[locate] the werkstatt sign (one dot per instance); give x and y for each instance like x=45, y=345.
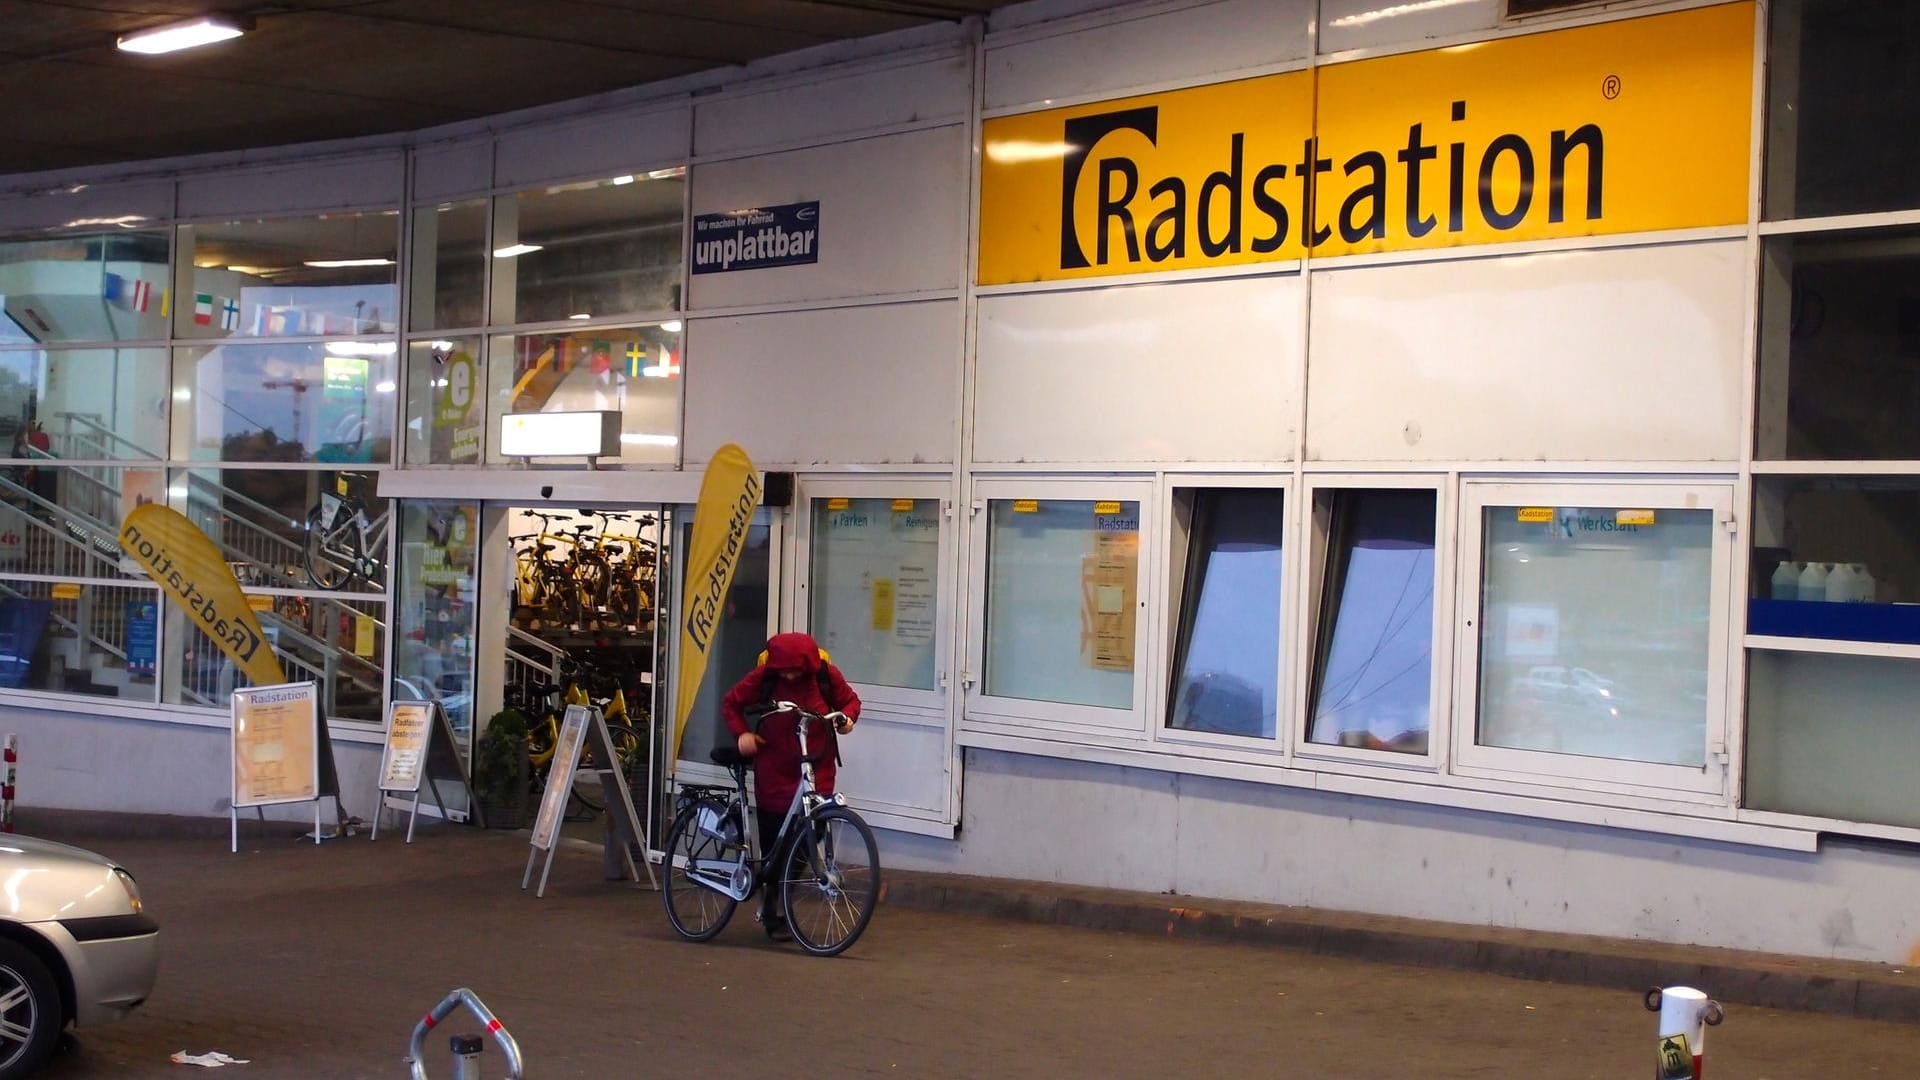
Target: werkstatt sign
x=190, y=572
x=1627, y=126
x=755, y=239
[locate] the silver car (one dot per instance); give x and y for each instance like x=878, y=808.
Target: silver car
x=76, y=946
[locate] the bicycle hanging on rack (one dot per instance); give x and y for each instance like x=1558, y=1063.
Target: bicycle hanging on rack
x=826, y=862
x=340, y=549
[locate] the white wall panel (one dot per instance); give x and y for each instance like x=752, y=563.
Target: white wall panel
x=892, y=217
x=453, y=169
x=1628, y=354
x=606, y=144
x=868, y=385
x=938, y=90
x=375, y=180
x=1371, y=24
x=1196, y=371
x=1118, y=53
x=898, y=767
x=151, y=202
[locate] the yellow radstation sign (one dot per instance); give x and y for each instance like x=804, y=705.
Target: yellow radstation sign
x=1629, y=126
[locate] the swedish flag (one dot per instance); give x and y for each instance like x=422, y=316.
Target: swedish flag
x=636, y=359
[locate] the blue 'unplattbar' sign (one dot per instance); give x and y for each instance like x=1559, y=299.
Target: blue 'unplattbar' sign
x=753, y=239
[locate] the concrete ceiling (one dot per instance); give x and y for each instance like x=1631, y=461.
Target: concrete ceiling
x=325, y=69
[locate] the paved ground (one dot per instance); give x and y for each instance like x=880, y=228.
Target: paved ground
x=315, y=962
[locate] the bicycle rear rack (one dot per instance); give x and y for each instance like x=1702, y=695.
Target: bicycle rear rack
x=452, y=1001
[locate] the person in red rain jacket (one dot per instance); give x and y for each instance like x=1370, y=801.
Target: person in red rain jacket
x=794, y=671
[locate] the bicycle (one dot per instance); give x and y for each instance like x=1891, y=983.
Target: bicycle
x=340, y=548
x=710, y=864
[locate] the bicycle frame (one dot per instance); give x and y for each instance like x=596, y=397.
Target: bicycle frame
x=725, y=876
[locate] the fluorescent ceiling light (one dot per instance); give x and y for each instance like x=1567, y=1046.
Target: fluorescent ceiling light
x=1392, y=11
x=622, y=181
x=515, y=251
x=257, y=271
x=335, y=264
x=665, y=174
x=672, y=326
x=182, y=35
x=581, y=315
x=384, y=387
x=125, y=221
x=1017, y=151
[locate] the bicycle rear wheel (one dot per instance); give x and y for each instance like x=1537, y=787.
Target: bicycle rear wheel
x=697, y=912
x=324, y=569
x=830, y=881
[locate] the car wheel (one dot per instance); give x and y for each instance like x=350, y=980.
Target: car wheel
x=30, y=1017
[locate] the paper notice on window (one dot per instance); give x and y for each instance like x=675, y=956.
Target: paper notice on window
x=1108, y=580
x=913, y=605
x=883, y=605
x=275, y=745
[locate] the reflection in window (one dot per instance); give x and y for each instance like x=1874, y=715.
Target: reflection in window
x=257, y=518
x=590, y=250
x=1833, y=736
x=449, y=274
x=1373, y=653
x=1226, y=657
x=737, y=644
x=433, y=652
x=330, y=402
x=1840, y=343
x=84, y=287
x=64, y=520
x=69, y=638
x=1062, y=599
x=83, y=404
x=634, y=372
x=1844, y=89
x=875, y=564
x=291, y=277
x=446, y=402
x=1594, y=630
x=1836, y=557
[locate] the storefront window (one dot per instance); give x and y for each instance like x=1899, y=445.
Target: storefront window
x=1836, y=557
x=593, y=250
x=435, y=595
x=85, y=404
x=327, y=276
x=258, y=518
x=1594, y=631
x=1833, y=736
x=1843, y=92
x=330, y=402
x=79, y=638
x=1062, y=596
x=446, y=402
x=635, y=372
x=1373, y=652
x=449, y=266
x=1226, y=652
x=873, y=589
x=741, y=637
x=84, y=287
x=64, y=520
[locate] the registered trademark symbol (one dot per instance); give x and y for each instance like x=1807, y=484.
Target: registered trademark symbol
x=1610, y=87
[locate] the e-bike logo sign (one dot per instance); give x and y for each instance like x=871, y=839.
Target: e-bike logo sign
x=1628, y=126
x=755, y=239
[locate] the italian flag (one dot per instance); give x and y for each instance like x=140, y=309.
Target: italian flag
x=203, y=309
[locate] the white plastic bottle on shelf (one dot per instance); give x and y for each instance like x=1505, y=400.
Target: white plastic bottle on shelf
x=1813, y=582
x=1786, y=582
x=1864, y=587
x=1841, y=584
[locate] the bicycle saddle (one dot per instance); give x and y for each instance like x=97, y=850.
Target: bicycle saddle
x=726, y=755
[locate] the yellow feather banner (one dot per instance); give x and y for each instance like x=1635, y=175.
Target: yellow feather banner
x=729, y=495
x=189, y=570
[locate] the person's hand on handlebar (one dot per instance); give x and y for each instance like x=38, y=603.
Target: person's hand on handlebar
x=842, y=723
x=749, y=744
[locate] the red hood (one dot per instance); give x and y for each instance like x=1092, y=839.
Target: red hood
x=793, y=651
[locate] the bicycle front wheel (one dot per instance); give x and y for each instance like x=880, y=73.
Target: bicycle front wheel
x=830, y=881
x=324, y=568
x=697, y=912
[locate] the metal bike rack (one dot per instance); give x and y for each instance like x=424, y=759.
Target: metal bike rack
x=465, y=1050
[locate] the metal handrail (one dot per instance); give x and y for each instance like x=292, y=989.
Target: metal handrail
x=103, y=430
x=555, y=655
x=463, y=996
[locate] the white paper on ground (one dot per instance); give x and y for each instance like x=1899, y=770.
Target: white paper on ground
x=212, y=1059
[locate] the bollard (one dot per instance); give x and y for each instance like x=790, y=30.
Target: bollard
x=1685, y=1015
x=6, y=789
x=463, y=996
x=466, y=1056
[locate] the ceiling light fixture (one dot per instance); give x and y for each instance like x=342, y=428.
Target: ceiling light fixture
x=622, y=181
x=190, y=34
x=515, y=251
x=337, y=264
x=580, y=315
x=672, y=326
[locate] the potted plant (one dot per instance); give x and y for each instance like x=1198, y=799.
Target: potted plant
x=500, y=770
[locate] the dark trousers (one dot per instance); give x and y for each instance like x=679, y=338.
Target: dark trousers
x=769, y=822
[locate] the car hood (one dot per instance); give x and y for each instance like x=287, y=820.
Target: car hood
x=41, y=879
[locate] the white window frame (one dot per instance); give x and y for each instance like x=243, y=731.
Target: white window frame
x=1705, y=784
x=928, y=707
x=1050, y=718
x=1315, y=530
x=1166, y=622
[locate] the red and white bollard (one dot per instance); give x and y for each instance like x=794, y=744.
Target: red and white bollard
x=1685, y=1015
x=6, y=789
